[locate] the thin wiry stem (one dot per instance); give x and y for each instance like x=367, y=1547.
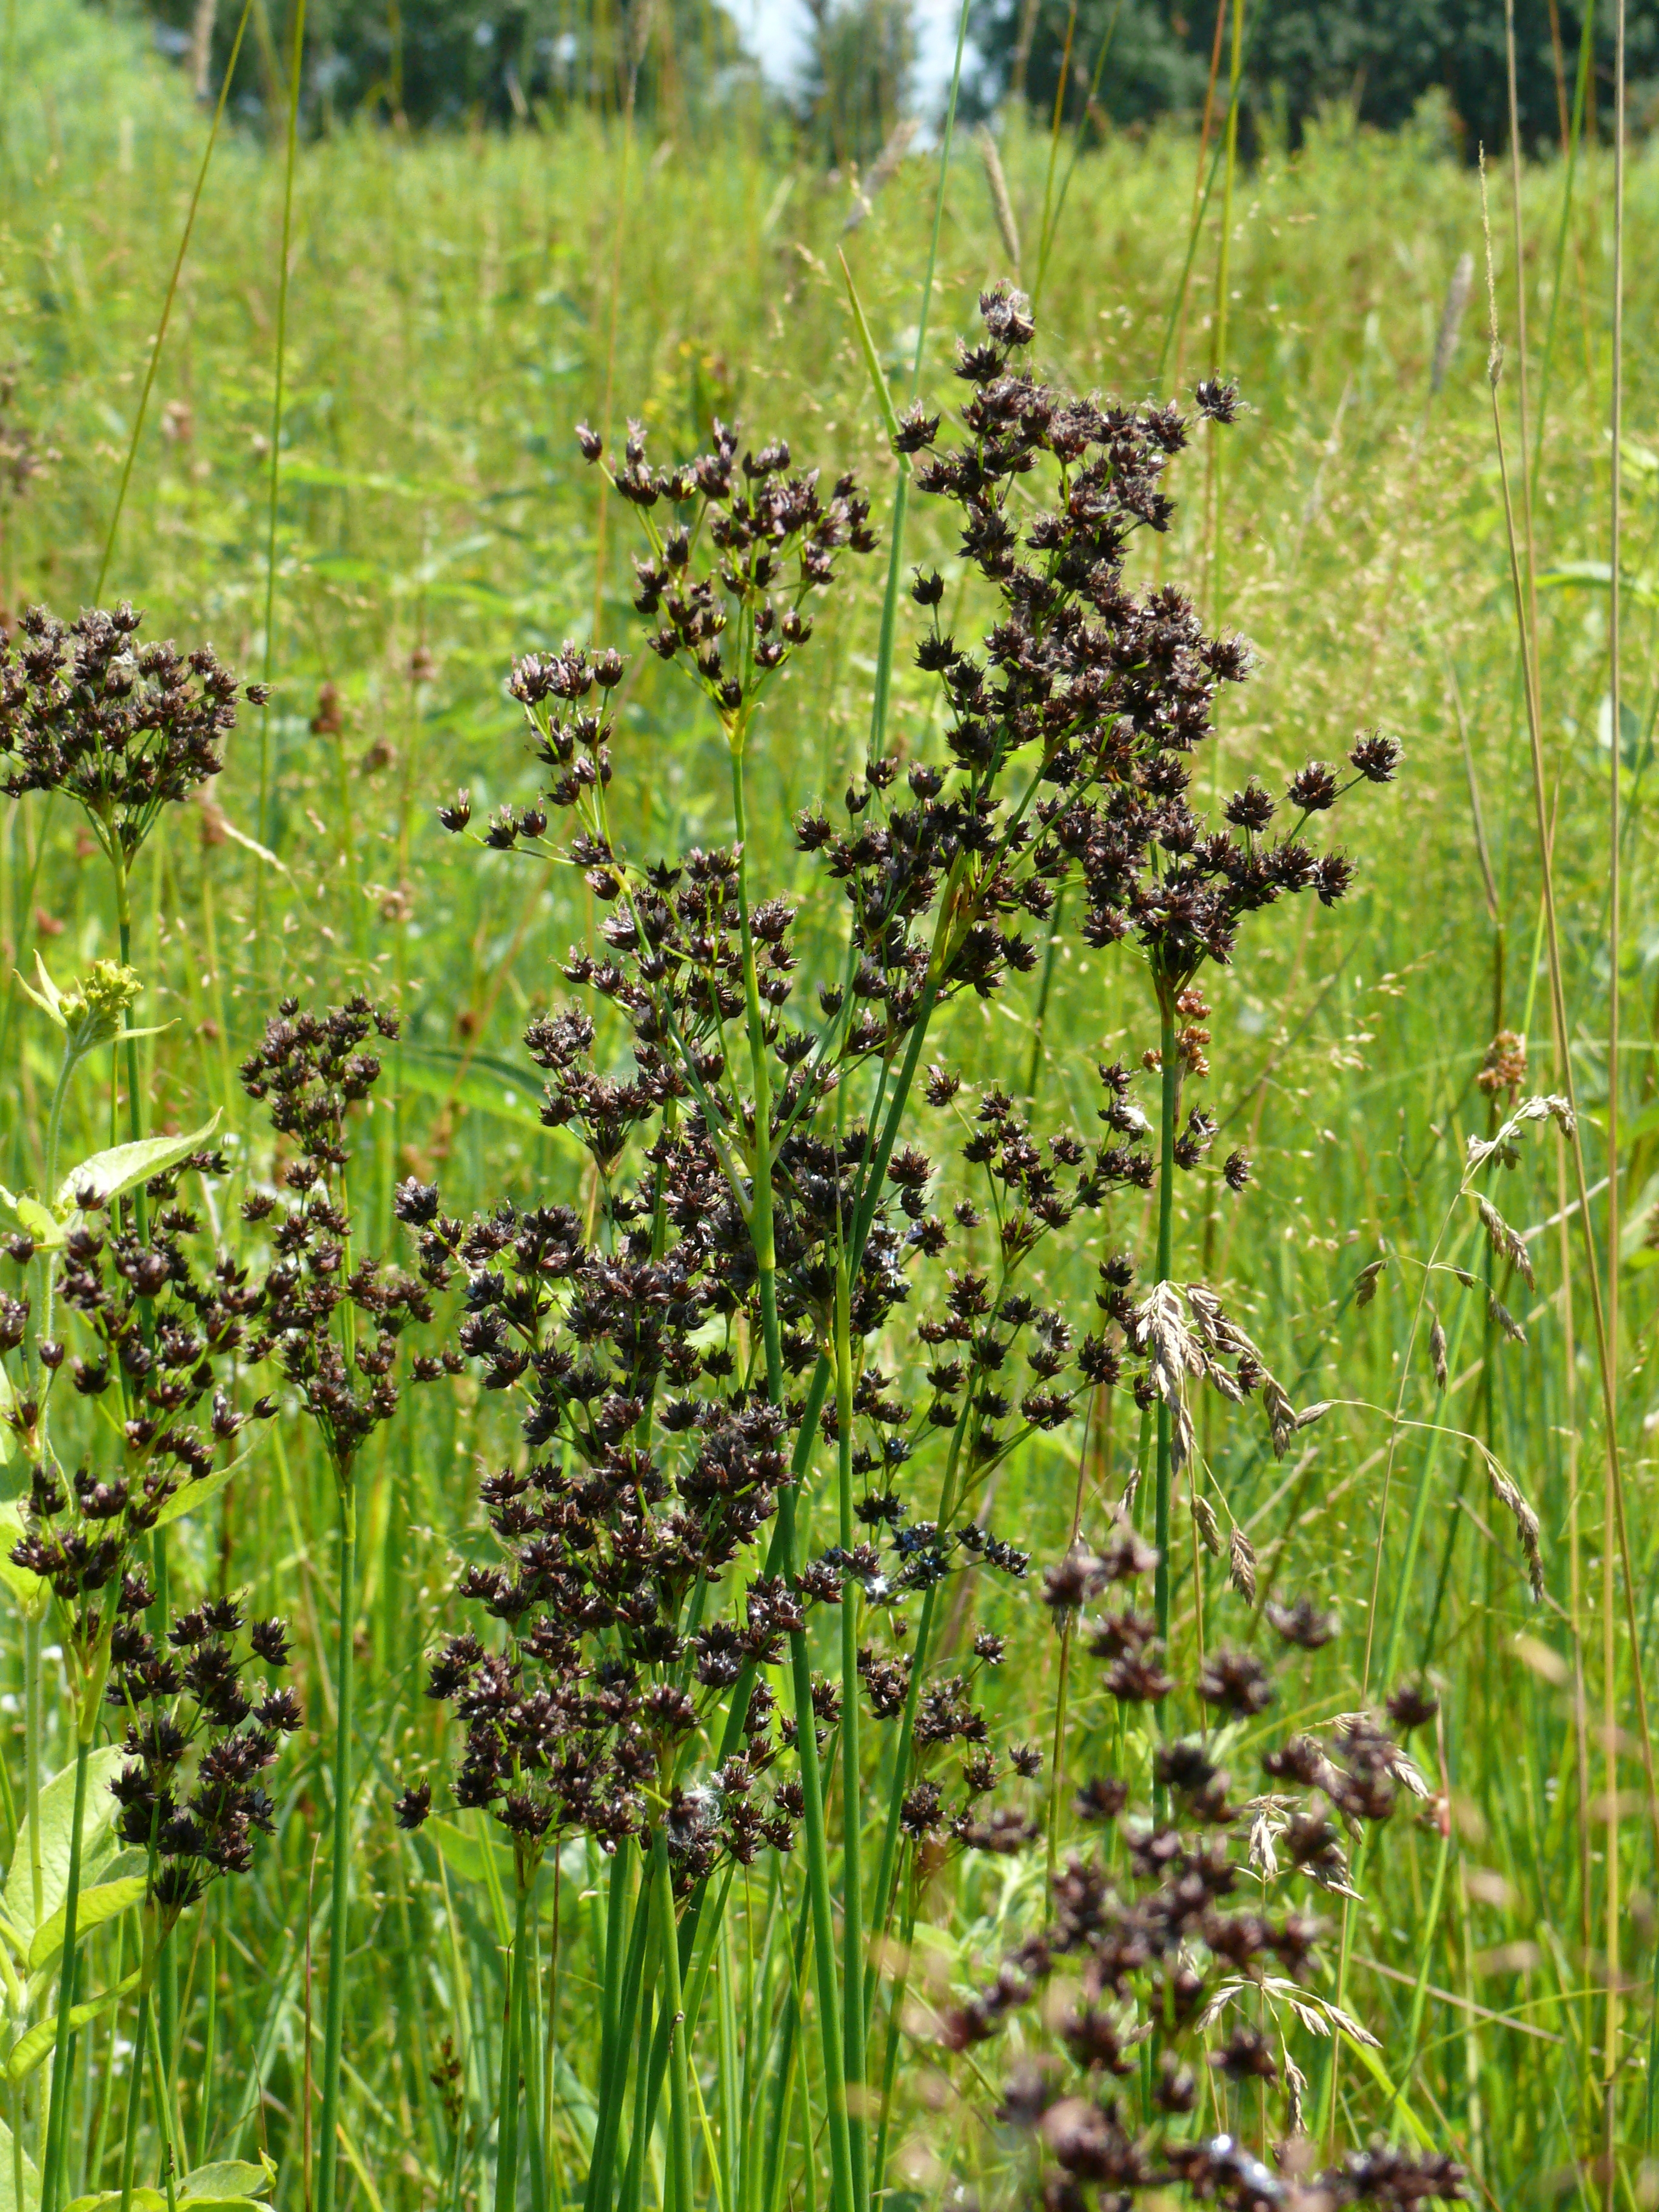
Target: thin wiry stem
x=166, y=307
x=57, y=2158
x=295, y=62
x=506, y=2129
x=340, y=1869
x=1168, y=1107
x=1614, y=1504
x=853, y=2030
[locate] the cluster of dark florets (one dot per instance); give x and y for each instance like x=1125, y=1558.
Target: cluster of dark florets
x=200, y=1732
x=311, y=1072
x=585, y=1721
x=731, y=608
x=660, y=1443
x=1155, y=1941
x=728, y=580
x=122, y=729
x=162, y=1328
x=1095, y=694
x=658, y=1457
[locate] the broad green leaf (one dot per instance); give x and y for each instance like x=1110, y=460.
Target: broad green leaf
x=41, y=1225
x=8, y=1400
x=98, y=1840
x=229, y=2204
x=9, y=2180
x=193, y=1494
x=227, y=2178
x=97, y=1904
x=32, y=1591
x=27, y=2053
x=126, y=1166
x=143, y=2200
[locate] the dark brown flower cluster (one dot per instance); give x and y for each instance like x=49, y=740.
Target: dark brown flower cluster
x=583, y=1721
x=638, y=1594
x=162, y=1330
x=199, y=1735
x=331, y=1326
x=1157, y=1940
x=655, y=1348
x=638, y=1581
x=123, y=729
x=1095, y=694
x=729, y=579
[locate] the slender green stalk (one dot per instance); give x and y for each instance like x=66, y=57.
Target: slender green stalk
x=506, y=2131
x=166, y=305
x=19, y=2168
x=895, y=2030
x=611, y=1982
x=678, y=2197
x=295, y=66
x=887, y=1870
x=852, y=1907
x=538, y=2105
x=210, y=2054
x=166, y=1993
x=52, y=2170
x=644, y=2101
x=784, y=2058
x=1168, y=1109
x=32, y=1762
x=172, y=2167
x=1613, y=1505
x=614, y=2081
x=136, y=2078
x=340, y=1845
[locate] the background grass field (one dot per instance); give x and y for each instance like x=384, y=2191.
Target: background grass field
x=455, y=306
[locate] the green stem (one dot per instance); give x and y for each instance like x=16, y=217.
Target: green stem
x=645, y=2100
x=846, y=2196
x=340, y=1868
x=610, y=2015
x=297, y=59
x=530, y=2068
x=678, y=2195
x=852, y=1965
x=613, y=2086
x=890, y=2070
x=783, y=2078
x=136, y=2078
x=167, y=1988
x=1169, y=1107
x=209, y=2055
x=887, y=1870
x=170, y=2164
x=51, y=2178
x=135, y=1122
x=14, y=2121
x=760, y=1215
x=506, y=2131
x=32, y=1764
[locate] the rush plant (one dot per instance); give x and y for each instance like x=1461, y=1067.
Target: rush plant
x=768, y=1373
